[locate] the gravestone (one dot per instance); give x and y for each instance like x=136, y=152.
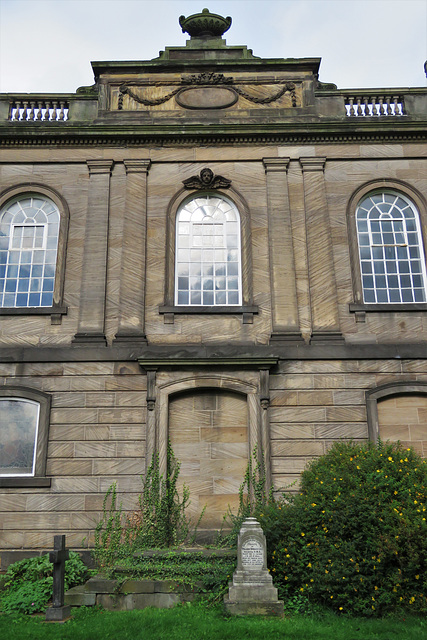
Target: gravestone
x=252, y=591
x=58, y=611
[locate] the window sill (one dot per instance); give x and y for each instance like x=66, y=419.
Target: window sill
x=25, y=482
x=361, y=309
x=246, y=311
x=391, y=306
x=32, y=311
x=55, y=313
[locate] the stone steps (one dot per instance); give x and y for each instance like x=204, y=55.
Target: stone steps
x=128, y=594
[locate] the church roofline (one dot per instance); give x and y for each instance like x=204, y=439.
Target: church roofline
x=187, y=65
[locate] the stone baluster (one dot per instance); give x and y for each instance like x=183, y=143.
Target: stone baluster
x=366, y=103
x=38, y=114
x=30, y=115
x=61, y=112
x=374, y=106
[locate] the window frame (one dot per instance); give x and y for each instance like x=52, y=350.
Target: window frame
x=39, y=478
x=247, y=308
x=420, y=205
x=225, y=236
x=57, y=309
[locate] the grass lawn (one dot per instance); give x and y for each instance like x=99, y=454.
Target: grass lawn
x=198, y=623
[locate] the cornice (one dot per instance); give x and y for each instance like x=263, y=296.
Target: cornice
x=204, y=355
x=19, y=134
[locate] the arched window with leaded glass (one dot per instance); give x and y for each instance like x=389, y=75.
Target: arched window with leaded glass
x=29, y=230
x=208, y=253
x=391, y=252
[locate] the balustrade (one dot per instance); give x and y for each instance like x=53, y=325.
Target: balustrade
x=371, y=105
x=39, y=110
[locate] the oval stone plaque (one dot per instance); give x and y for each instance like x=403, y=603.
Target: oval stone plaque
x=206, y=97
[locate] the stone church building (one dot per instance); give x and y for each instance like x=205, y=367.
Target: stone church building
x=209, y=248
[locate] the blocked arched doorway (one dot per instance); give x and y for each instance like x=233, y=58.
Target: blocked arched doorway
x=209, y=434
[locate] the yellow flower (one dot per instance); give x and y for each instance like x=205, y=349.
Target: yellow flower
x=341, y=608
x=417, y=577
x=303, y=534
x=309, y=565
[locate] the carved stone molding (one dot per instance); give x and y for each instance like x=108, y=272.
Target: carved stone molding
x=206, y=80
x=206, y=180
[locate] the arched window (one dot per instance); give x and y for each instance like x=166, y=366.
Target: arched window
x=391, y=250
x=29, y=229
x=208, y=253
x=18, y=436
x=24, y=432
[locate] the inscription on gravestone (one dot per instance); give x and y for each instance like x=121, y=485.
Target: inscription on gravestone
x=252, y=554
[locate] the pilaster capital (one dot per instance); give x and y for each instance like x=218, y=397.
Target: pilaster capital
x=99, y=166
x=312, y=164
x=276, y=164
x=137, y=166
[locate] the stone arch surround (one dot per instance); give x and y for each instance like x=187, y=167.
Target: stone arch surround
x=174, y=388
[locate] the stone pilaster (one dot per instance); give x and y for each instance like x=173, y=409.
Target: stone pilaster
x=264, y=376
x=150, y=437
x=133, y=267
x=284, y=307
x=92, y=297
x=322, y=282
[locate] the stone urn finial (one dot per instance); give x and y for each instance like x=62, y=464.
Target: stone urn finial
x=205, y=25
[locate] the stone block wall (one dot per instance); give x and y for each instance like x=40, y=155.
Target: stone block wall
x=98, y=430
x=96, y=437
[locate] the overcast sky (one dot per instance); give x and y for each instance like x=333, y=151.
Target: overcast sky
x=47, y=45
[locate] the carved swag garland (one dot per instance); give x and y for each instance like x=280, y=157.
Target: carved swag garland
x=209, y=79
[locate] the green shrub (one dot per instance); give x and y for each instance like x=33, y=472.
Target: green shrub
x=355, y=538
x=28, y=583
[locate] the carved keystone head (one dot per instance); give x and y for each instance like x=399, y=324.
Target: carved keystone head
x=206, y=180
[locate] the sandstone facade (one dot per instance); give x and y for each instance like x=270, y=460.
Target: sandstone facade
x=300, y=362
